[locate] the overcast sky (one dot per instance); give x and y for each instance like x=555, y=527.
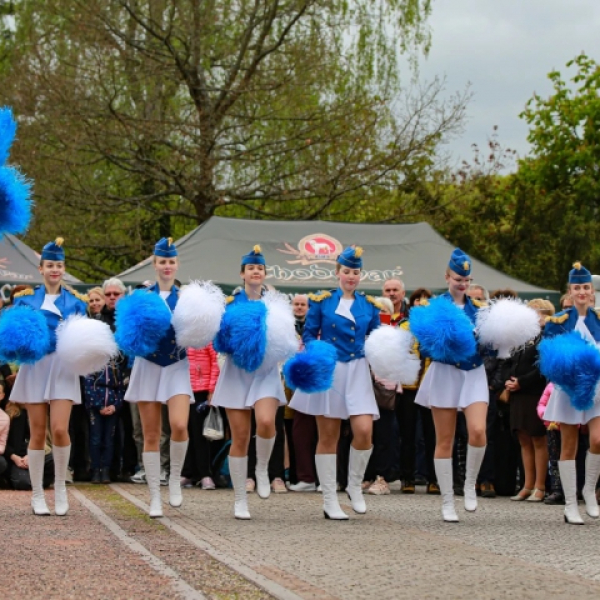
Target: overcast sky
x=505, y=49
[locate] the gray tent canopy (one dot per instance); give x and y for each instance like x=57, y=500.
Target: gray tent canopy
x=19, y=265
x=301, y=256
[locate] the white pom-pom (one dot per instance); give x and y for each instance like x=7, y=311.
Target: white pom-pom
x=282, y=341
x=85, y=345
x=197, y=316
x=507, y=325
x=389, y=352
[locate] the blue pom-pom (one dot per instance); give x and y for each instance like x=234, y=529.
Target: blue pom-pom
x=243, y=334
x=15, y=201
x=311, y=370
x=572, y=363
x=444, y=332
x=24, y=335
x=8, y=129
x=142, y=319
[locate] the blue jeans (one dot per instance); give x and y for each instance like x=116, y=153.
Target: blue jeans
x=102, y=438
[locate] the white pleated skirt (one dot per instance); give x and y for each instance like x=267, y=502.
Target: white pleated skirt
x=351, y=394
x=47, y=379
x=445, y=386
x=559, y=409
x=150, y=382
x=239, y=389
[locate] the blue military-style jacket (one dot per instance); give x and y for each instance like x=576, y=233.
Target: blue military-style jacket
x=565, y=321
x=168, y=352
x=471, y=308
x=68, y=303
x=348, y=337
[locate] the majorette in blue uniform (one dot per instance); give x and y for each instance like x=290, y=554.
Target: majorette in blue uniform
x=49, y=380
x=159, y=377
x=166, y=372
x=560, y=409
x=238, y=389
x=45, y=380
x=345, y=323
x=457, y=386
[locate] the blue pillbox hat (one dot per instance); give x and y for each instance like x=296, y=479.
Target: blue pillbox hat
x=351, y=257
x=460, y=263
x=54, y=250
x=255, y=257
x=165, y=248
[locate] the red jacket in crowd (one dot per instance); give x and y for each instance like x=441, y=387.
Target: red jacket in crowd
x=204, y=369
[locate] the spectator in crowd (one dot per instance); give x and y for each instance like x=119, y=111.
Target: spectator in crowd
x=418, y=296
x=125, y=455
x=582, y=318
x=343, y=318
x=478, y=292
x=204, y=371
x=163, y=379
x=4, y=428
x=556, y=495
x=300, y=429
x=394, y=290
x=566, y=301
x=16, y=452
x=380, y=465
x=96, y=301
x=525, y=384
x=408, y=413
x=38, y=384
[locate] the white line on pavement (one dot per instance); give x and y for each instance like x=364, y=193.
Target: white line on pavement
x=185, y=591
x=270, y=586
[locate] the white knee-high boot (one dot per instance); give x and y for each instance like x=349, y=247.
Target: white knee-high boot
x=61, y=455
x=359, y=459
x=475, y=456
x=177, y=457
x=568, y=479
x=152, y=467
x=592, y=472
x=443, y=471
x=36, y=460
x=327, y=472
x=264, y=447
x=238, y=470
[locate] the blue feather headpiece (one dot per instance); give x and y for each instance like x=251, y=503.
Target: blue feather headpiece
x=15, y=189
x=165, y=248
x=460, y=263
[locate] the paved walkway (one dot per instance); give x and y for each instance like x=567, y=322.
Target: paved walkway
x=107, y=548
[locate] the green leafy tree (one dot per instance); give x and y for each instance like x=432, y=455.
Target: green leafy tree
x=141, y=118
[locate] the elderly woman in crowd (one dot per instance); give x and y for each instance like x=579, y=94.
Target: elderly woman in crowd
x=525, y=384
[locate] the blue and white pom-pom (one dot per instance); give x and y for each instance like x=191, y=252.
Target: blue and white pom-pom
x=15, y=189
x=573, y=364
x=444, y=332
x=311, y=370
x=389, y=353
x=282, y=341
x=141, y=320
x=24, y=335
x=85, y=345
x=507, y=325
x=198, y=313
x=243, y=334
x=8, y=130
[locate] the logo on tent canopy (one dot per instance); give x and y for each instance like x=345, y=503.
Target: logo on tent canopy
x=317, y=247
